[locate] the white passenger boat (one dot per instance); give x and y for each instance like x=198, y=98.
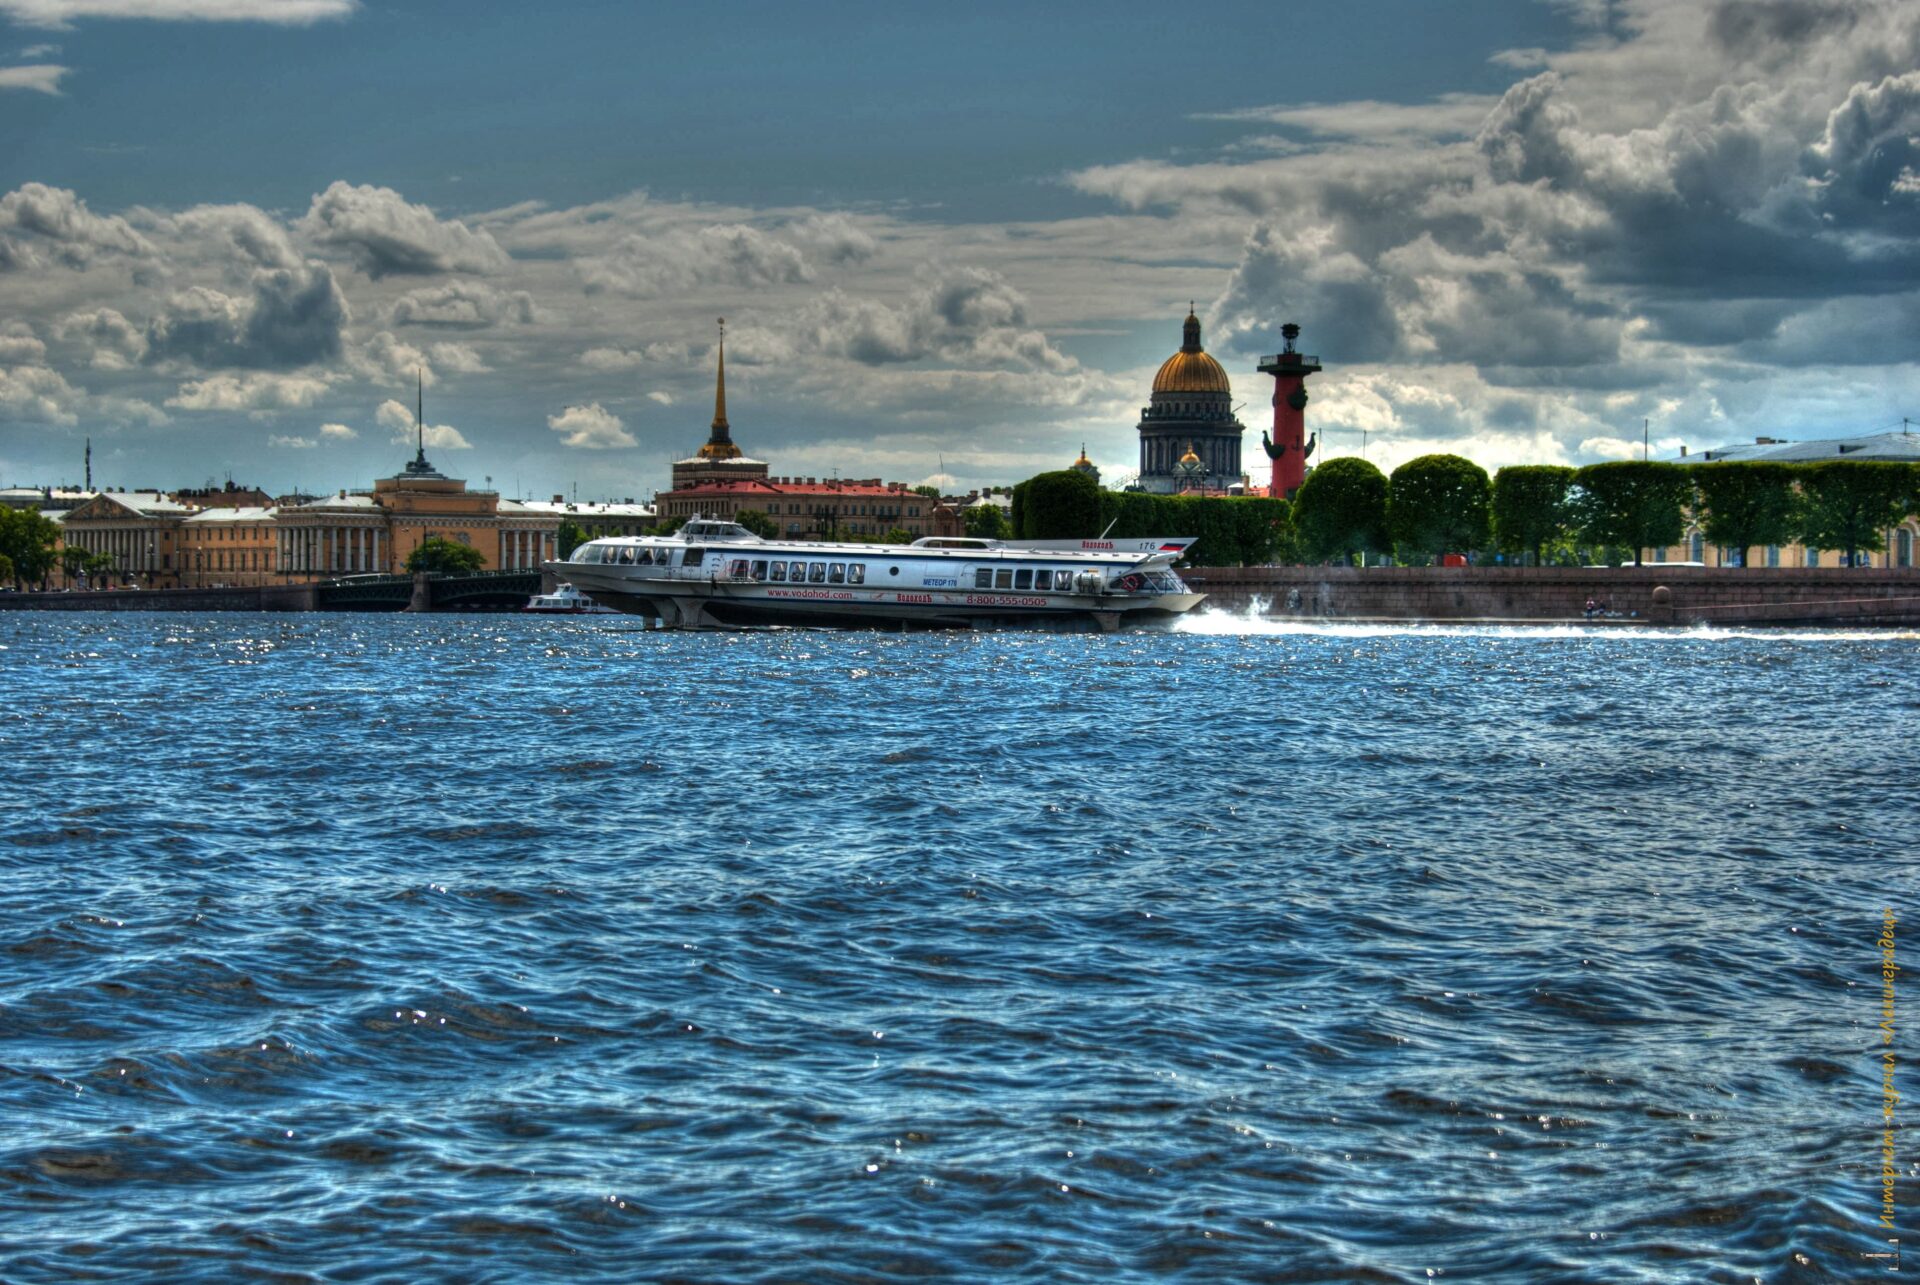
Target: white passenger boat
x=567, y=600
x=718, y=573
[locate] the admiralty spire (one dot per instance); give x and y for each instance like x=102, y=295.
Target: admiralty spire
x=718, y=459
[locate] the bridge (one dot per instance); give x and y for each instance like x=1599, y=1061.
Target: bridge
x=479, y=591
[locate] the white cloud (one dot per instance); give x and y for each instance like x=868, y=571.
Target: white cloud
x=337, y=433
x=42, y=78
x=257, y=392
x=37, y=220
x=60, y=14
x=665, y=399
x=459, y=358
x=389, y=237
x=20, y=347
x=1450, y=115
x=968, y=315
x=37, y=394
x=608, y=358
x=399, y=417
x=649, y=265
x=470, y=305
x=292, y=442
x=591, y=427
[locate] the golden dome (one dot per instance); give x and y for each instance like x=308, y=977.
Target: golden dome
x=1190, y=370
x=1190, y=457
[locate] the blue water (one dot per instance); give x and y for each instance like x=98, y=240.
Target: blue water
x=497, y=949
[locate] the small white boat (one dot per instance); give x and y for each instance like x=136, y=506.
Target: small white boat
x=718, y=573
x=566, y=601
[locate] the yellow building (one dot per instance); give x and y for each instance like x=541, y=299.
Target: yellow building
x=139, y=530
x=227, y=546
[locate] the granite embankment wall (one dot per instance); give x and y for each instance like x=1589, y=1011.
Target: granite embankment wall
x=1694, y=595
x=299, y=597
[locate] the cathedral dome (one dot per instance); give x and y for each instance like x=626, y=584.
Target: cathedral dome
x=1190, y=370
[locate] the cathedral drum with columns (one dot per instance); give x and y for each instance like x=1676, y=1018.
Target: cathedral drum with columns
x=1189, y=438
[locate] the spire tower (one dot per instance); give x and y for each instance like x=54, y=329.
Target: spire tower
x=720, y=440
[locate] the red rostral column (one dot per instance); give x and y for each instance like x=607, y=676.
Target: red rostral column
x=1289, y=446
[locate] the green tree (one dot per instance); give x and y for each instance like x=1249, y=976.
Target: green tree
x=27, y=540
x=6, y=568
x=1061, y=505
x=1636, y=503
x=1438, y=504
x=1529, y=509
x=570, y=536
x=74, y=560
x=1341, y=510
x=931, y=492
x=987, y=522
x=665, y=526
x=1849, y=504
x=758, y=523
x=899, y=535
x=445, y=557
x=1745, y=503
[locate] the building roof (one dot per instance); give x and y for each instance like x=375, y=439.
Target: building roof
x=1871, y=447
x=246, y=513
x=560, y=508
x=357, y=500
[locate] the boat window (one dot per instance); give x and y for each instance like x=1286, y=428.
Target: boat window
x=594, y=553
x=1023, y=578
x=857, y=573
x=983, y=578
x=1003, y=578
x=626, y=556
x=797, y=572
x=778, y=571
x=692, y=557
x=836, y=573
x=759, y=569
x=1062, y=581
x=817, y=573
x=738, y=568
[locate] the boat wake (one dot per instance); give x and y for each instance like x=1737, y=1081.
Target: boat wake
x=1255, y=622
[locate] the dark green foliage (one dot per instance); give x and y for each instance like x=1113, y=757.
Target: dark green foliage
x=665, y=526
x=931, y=492
x=1637, y=503
x=569, y=537
x=1341, y=510
x=988, y=522
x=27, y=538
x=1229, y=530
x=445, y=558
x=1438, y=504
x=1062, y=505
x=1849, y=504
x=899, y=535
x=1529, y=509
x=758, y=523
x=1744, y=503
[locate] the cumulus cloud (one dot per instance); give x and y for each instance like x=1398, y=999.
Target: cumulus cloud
x=244, y=233
x=292, y=442
x=646, y=265
x=390, y=237
x=19, y=346
x=607, y=358
x=591, y=427
x=258, y=393
x=466, y=305
x=399, y=417
x=41, y=78
x=60, y=14
x=384, y=359
x=459, y=358
x=969, y=315
x=835, y=238
x=291, y=317
x=38, y=223
x=38, y=395
x=337, y=433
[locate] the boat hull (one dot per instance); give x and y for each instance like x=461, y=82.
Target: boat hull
x=698, y=605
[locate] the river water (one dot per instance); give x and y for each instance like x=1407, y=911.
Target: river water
x=489, y=948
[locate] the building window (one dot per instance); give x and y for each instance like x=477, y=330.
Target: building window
x=1813, y=557
x=1699, y=551
x=1773, y=555
x=1903, y=548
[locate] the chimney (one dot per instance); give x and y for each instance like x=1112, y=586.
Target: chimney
x=559, y=499
x=1683, y=450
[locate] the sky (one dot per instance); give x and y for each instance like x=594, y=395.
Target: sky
x=951, y=244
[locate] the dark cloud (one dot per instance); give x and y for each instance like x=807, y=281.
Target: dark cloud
x=293, y=317
x=389, y=237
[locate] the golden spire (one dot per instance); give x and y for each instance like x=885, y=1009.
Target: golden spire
x=720, y=385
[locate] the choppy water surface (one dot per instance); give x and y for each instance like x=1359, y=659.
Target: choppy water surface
x=382, y=948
